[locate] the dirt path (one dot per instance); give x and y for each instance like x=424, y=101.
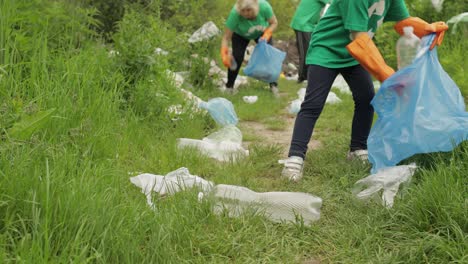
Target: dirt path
x=279, y=137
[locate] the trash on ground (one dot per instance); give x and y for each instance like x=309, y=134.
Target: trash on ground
x=173, y=182
x=207, y=31
x=159, y=51
x=221, y=110
x=250, y=99
x=295, y=105
x=223, y=145
x=437, y=4
x=341, y=84
x=276, y=206
x=463, y=17
x=332, y=98
x=420, y=110
x=177, y=77
x=387, y=180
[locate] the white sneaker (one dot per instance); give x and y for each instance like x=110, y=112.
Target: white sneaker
x=293, y=167
x=360, y=154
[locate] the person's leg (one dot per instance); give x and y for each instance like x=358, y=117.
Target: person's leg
x=239, y=45
x=362, y=88
x=302, y=42
x=320, y=80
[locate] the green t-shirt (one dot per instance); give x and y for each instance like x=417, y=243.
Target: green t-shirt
x=250, y=29
x=308, y=14
x=333, y=32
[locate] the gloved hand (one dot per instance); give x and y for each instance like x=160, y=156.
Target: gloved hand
x=422, y=28
x=225, y=56
x=364, y=50
x=266, y=34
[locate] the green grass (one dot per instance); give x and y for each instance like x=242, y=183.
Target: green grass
x=65, y=194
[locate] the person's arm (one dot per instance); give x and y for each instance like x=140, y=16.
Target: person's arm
x=363, y=49
x=225, y=56
x=273, y=24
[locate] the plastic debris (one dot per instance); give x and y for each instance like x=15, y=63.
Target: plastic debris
x=223, y=145
x=276, y=206
x=159, y=51
x=332, y=98
x=250, y=99
x=463, y=17
x=221, y=110
x=387, y=180
x=437, y=4
x=207, y=31
x=173, y=182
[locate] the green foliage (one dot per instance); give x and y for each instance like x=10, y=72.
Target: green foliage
x=29, y=124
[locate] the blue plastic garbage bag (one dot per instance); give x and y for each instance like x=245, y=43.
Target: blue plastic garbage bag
x=420, y=110
x=221, y=110
x=265, y=63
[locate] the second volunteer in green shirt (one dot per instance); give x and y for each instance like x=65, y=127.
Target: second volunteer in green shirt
x=342, y=44
x=305, y=18
x=248, y=20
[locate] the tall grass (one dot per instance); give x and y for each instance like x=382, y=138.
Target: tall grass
x=64, y=190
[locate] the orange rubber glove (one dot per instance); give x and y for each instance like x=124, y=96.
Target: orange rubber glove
x=422, y=28
x=267, y=34
x=225, y=56
x=364, y=50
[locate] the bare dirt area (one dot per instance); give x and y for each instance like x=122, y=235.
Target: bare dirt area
x=274, y=137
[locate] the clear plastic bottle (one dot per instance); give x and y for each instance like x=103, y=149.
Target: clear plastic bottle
x=277, y=206
x=407, y=47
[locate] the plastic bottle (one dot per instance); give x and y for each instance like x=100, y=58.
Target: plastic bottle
x=277, y=206
x=407, y=47
x=233, y=66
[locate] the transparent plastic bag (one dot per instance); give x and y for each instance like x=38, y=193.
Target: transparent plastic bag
x=221, y=110
x=265, y=63
x=276, y=206
x=420, y=110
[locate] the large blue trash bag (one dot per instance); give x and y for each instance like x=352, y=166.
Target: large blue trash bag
x=221, y=110
x=265, y=63
x=420, y=110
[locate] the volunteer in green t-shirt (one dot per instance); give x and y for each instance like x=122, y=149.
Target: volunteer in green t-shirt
x=305, y=18
x=342, y=44
x=248, y=20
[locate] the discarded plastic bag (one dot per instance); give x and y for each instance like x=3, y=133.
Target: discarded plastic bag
x=387, y=180
x=173, y=182
x=265, y=63
x=420, y=110
x=221, y=110
x=207, y=31
x=250, y=99
x=276, y=206
x=223, y=145
x=332, y=98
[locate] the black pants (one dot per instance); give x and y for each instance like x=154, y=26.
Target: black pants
x=320, y=80
x=302, y=43
x=239, y=45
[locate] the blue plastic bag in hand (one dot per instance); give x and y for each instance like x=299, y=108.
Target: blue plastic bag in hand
x=221, y=110
x=265, y=62
x=420, y=110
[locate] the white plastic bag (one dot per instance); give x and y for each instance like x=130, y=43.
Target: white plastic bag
x=250, y=99
x=276, y=206
x=223, y=145
x=173, y=182
x=388, y=180
x=208, y=30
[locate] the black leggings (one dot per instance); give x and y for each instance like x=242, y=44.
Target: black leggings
x=302, y=43
x=239, y=45
x=320, y=80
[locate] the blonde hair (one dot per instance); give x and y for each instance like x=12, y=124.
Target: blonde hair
x=241, y=4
